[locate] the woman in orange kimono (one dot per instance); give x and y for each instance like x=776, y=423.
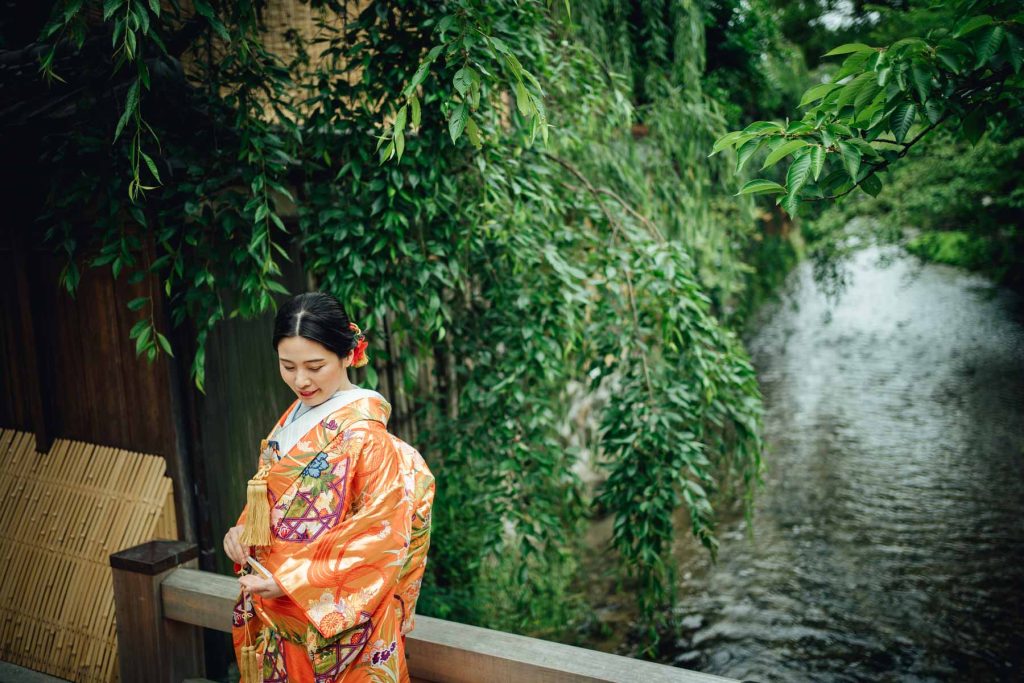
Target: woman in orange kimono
x=338, y=517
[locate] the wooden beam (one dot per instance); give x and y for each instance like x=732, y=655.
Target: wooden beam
x=445, y=651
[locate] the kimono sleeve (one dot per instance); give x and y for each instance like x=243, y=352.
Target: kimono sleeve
x=341, y=578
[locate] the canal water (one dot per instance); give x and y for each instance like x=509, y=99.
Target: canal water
x=888, y=542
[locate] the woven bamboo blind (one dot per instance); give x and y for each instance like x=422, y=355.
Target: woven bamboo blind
x=64, y=513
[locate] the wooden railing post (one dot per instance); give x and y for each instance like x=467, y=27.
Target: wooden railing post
x=149, y=647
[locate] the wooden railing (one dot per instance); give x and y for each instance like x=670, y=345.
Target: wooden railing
x=162, y=603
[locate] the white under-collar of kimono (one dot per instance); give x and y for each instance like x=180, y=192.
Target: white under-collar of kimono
x=289, y=435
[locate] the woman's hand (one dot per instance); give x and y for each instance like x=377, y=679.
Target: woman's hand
x=233, y=544
x=257, y=585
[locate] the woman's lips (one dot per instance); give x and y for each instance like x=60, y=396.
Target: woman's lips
x=307, y=394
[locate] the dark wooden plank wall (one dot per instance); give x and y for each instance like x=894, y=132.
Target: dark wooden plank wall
x=244, y=397
x=99, y=390
x=15, y=373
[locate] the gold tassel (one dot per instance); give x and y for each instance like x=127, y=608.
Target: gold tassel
x=249, y=667
x=257, y=520
x=243, y=665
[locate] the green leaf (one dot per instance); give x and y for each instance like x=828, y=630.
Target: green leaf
x=818, y=92
x=989, y=44
x=851, y=89
x=399, y=144
x=155, y=6
x=445, y=23
x=761, y=186
x=760, y=127
x=71, y=9
x=746, y=150
x=137, y=328
x=826, y=138
x=150, y=165
x=136, y=304
x=121, y=124
x=464, y=80
x=142, y=341
x=818, y=154
x=871, y=184
x=866, y=93
x=499, y=45
x=143, y=16
x=457, y=121
x=132, y=101
x=852, y=65
x=791, y=203
x=414, y=109
x=164, y=344
x=782, y=150
x=798, y=173
x=417, y=78
x=399, y=124
x=727, y=140
x=848, y=48
x=275, y=286
x=111, y=6
x=950, y=58
x=933, y=110
x=901, y=119
x=851, y=158
x=921, y=77
x=865, y=147
x=972, y=24
x=523, y=99
x=473, y=132
x=1014, y=51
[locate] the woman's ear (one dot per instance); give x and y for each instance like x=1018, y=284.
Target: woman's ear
x=347, y=360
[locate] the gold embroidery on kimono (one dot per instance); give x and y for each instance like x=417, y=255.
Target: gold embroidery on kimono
x=350, y=528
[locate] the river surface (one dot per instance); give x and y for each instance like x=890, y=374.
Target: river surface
x=888, y=542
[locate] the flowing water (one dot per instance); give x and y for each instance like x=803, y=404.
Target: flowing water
x=888, y=542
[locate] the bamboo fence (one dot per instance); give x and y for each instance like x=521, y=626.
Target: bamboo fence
x=63, y=514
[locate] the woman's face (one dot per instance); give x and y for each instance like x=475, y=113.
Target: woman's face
x=312, y=371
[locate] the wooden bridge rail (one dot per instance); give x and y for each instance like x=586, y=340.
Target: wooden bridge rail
x=163, y=602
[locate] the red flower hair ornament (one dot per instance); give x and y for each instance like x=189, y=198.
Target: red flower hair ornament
x=359, y=358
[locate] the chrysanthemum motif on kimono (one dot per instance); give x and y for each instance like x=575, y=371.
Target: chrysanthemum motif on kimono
x=335, y=615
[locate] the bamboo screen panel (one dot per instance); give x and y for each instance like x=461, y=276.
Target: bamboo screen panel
x=64, y=513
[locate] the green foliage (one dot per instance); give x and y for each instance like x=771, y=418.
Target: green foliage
x=750, y=67
x=884, y=100
x=949, y=202
x=483, y=193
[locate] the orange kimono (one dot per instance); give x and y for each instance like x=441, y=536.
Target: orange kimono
x=350, y=528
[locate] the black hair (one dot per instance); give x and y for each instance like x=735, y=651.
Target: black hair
x=316, y=316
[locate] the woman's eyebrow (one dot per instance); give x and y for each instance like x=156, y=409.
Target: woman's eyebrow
x=311, y=360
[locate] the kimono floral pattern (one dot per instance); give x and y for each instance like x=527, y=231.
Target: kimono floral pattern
x=350, y=522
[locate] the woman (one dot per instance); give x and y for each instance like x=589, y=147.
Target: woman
x=338, y=516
